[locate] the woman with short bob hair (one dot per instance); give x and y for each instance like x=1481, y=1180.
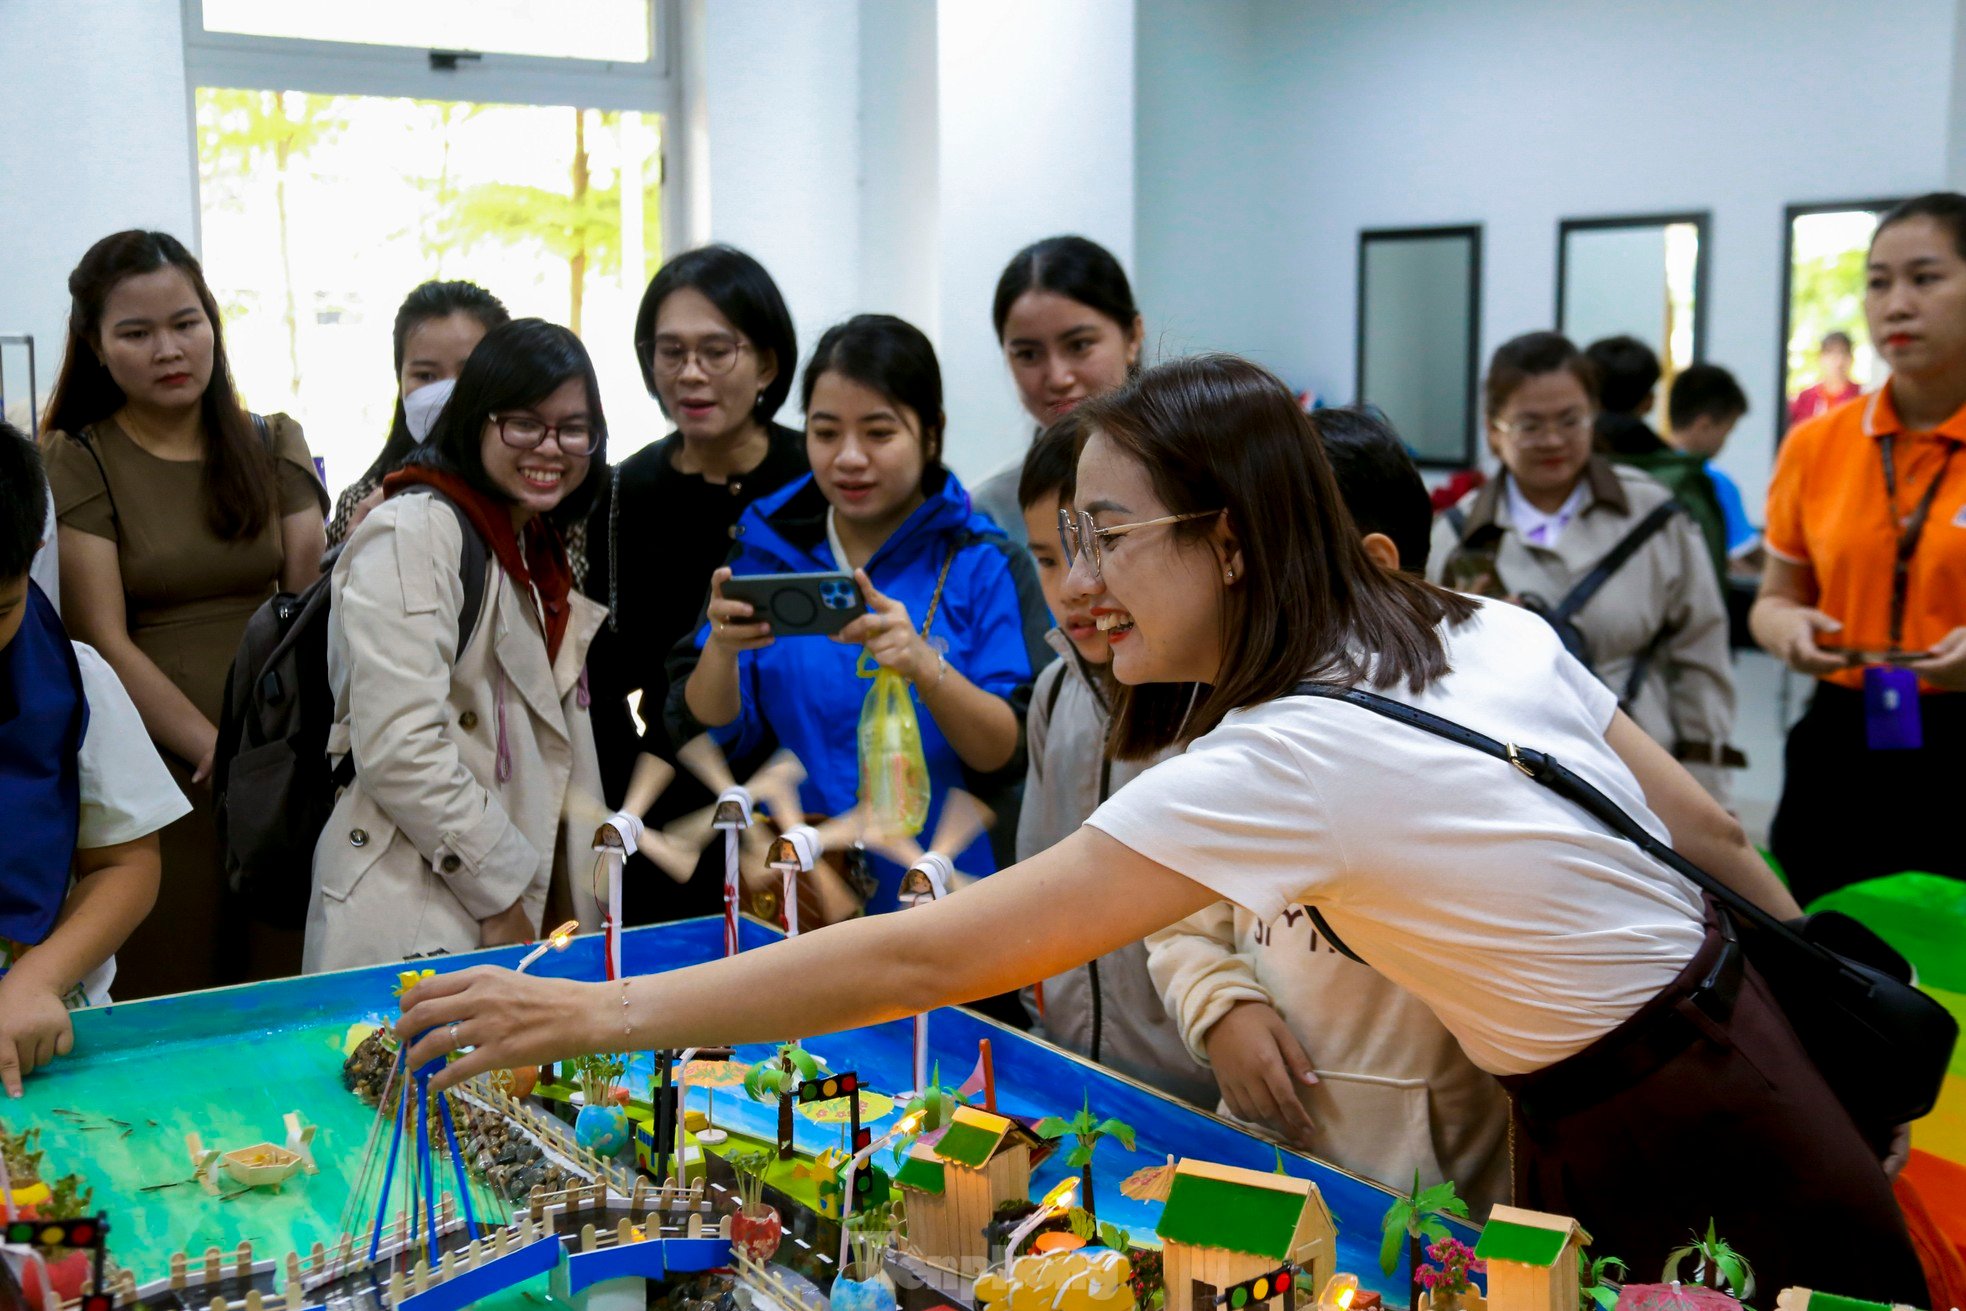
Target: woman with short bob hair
x=1216, y=553
x=458, y=675
x=717, y=351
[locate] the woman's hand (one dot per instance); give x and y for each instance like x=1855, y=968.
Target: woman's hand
x=1793, y=632
x=1946, y=666
x=731, y=629
x=888, y=633
x=1259, y=1065
x=511, y=925
x=507, y=1017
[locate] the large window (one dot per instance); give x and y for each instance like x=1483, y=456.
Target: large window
x=342, y=161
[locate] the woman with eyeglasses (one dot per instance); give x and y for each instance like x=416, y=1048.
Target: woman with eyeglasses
x=456, y=646
x=1657, y=1085
x=717, y=351
x=951, y=604
x=1602, y=552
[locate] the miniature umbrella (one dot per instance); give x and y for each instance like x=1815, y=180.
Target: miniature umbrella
x=712, y=1075
x=1153, y=1184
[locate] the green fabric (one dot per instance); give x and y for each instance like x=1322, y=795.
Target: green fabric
x=1922, y=915
x=966, y=1144
x=922, y=1175
x=1205, y=1212
x=1504, y=1240
x=1685, y=476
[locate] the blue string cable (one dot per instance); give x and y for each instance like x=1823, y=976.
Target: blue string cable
x=389, y=1170
x=457, y=1163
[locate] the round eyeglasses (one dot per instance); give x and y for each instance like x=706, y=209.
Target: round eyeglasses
x=1080, y=536
x=716, y=356
x=522, y=432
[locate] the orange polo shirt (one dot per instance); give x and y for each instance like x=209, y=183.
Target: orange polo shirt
x=1828, y=509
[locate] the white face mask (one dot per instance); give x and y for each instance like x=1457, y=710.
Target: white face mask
x=422, y=406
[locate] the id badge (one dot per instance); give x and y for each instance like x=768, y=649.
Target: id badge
x=1891, y=715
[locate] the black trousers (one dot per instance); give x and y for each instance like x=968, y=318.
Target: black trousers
x=1849, y=813
x=1704, y=1106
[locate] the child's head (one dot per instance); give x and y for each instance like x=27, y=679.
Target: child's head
x=1627, y=374
x=1044, y=488
x=23, y=513
x=1704, y=406
x=1380, y=486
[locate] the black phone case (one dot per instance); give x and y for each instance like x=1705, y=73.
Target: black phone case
x=800, y=605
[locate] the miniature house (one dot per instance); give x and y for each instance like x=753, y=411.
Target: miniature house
x=1223, y=1225
x=951, y=1189
x=1532, y=1260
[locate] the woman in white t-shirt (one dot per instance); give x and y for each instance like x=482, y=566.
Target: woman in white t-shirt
x=1656, y=1084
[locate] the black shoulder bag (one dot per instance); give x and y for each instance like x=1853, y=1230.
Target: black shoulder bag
x=1563, y=613
x=1881, y=1044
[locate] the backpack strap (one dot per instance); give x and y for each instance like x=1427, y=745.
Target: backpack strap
x=473, y=566
x=1457, y=519
x=1614, y=560
x=263, y=428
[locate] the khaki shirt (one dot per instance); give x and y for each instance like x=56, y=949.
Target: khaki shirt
x=1664, y=598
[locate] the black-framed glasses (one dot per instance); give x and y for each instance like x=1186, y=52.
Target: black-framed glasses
x=522, y=432
x=716, y=355
x=1079, y=536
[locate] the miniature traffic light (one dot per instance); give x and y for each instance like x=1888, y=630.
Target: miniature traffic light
x=1281, y=1282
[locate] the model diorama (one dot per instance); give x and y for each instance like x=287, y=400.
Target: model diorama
x=601, y=1184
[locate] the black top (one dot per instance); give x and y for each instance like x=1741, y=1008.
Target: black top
x=649, y=561
x=1627, y=434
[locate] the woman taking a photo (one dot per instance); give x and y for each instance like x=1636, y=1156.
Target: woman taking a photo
x=878, y=504
x=1069, y=329
x=465, y=720
x=1865, y=587
x=1222, y=563
x=437, y=326
x=717, y=351
x=1655, y=631
x=180, y=513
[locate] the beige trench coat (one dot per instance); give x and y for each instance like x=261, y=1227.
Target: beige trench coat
x=1665, y=594
x=427, y=842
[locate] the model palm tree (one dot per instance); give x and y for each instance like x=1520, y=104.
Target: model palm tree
x=1720, y=1266
x=780, y=1077
x=1086, y=1133
x=1414, y=1217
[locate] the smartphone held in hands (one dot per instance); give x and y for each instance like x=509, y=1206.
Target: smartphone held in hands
x=799, y=605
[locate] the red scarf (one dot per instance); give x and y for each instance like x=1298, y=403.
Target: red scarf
x=539, y=565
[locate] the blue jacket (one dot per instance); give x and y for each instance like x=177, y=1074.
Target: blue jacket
x=804, y=693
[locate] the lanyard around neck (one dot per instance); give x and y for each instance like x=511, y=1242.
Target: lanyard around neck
x=1910, y=527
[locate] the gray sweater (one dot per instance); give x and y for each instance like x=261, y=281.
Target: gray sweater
x=1108, y=1009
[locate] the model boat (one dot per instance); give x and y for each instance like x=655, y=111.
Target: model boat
x=262, y=1165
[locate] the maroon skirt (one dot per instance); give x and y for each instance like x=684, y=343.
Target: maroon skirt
x=1703, y=1106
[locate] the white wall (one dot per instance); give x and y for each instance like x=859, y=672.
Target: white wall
x=781, y=88
x=1514, y=114
x=98, y=139
x=1036, y=128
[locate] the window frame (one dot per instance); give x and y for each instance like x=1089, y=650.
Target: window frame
x=1790, y=213
x=1472, y=233
x=1701, y=221
x=227, y=59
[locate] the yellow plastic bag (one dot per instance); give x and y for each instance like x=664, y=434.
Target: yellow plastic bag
x=893, y=771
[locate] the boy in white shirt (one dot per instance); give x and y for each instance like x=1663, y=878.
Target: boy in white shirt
x=1303, y=1040
x=84, y=791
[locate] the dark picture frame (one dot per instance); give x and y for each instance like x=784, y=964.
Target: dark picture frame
x=1428, y=454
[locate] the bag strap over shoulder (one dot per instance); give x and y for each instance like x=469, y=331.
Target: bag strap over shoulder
x=1614, y=560
x=473, y=567
x=1554, y=775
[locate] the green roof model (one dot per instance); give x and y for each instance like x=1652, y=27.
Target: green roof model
x=921, y=1174
x=1206, y=1212
x=1504, y=1240
x=968, y=1144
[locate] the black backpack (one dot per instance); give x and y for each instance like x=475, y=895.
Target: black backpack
x=271, y=782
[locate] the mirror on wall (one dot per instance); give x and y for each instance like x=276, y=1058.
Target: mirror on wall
x=1822, y=296
x=1419, y=328
x=1642, y=276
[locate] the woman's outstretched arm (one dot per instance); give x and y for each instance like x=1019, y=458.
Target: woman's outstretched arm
x=1083, y=898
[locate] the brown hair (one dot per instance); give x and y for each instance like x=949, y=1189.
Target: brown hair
x=1219, y=433
x=1532, y=355
x=238, y=469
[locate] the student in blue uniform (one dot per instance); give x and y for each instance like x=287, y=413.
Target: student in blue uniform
x=83, y=791
x=878, y=504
